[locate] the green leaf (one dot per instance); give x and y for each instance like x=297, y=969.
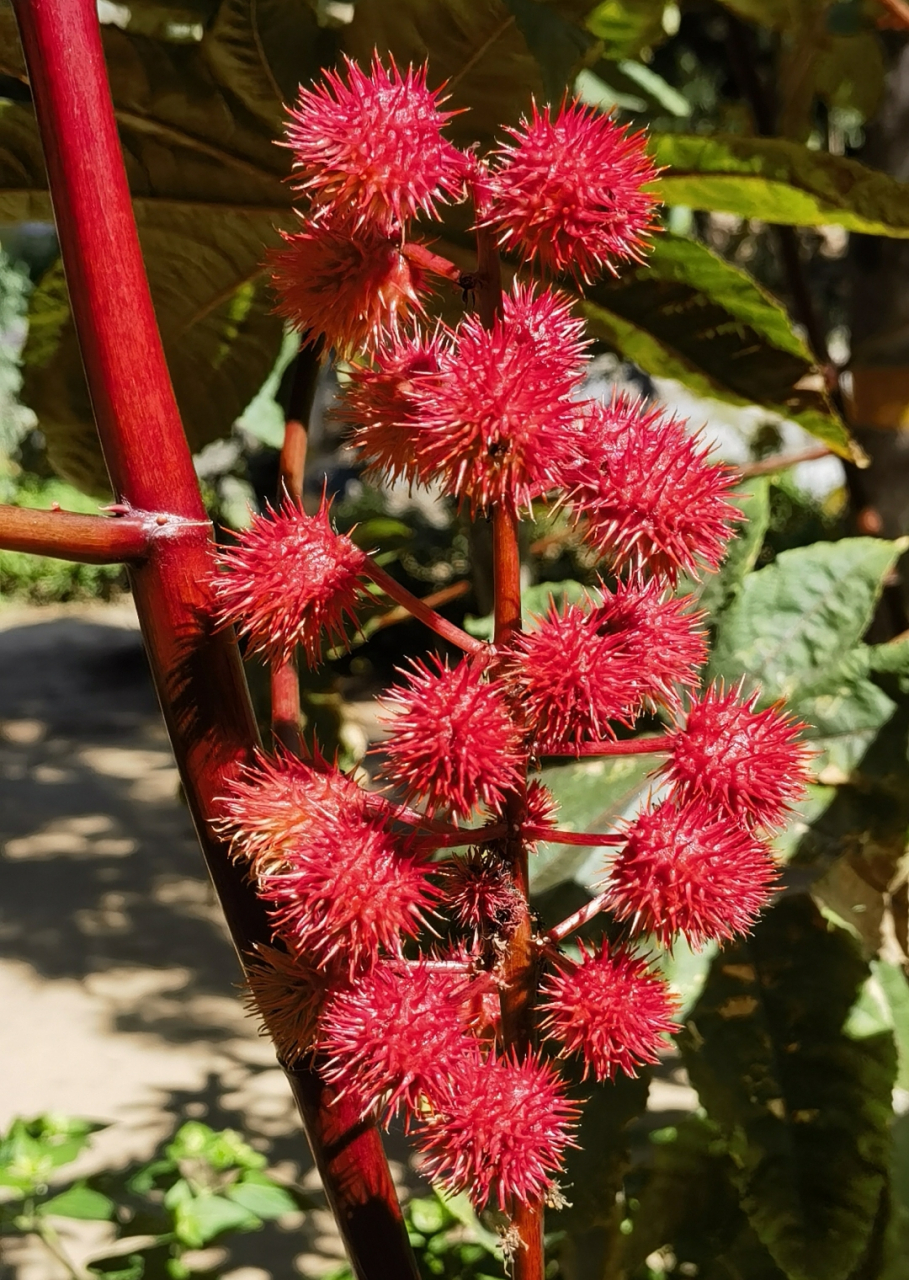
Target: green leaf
x=202, y=1218
x=32, y=1150
x=223, y=1149
x=478, y=47
x=557, y=44
x=896, y=1244
x=803, y=1105
x=120, y=1267
x=779, y=181
x=207, y=185
x=262, y=1197
x=890, y=992
x=689, y=315
x=594, y=1171
x=627, y=27
x=844, y=717
x=216, y=316
x=264, y=51
x=79, y=1201
x=592, y=795
x=720, y=589
x=689, y=1205
x=794, y=621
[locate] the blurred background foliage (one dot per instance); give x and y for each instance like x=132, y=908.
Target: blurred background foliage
x=775, y=308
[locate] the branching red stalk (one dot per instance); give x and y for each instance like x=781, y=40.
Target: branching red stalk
x=579, y=917
x=520, y=965
x=584, y=839
x=433, y=601
x=84, y=539
x=781, y=461
x=423, y=257
x=196, y=669
x=421, y=611
x=616, y=747
x=285, y=682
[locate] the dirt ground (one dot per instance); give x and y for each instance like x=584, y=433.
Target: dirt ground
x=118, y=985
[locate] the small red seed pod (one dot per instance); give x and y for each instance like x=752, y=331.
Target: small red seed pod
x=648, y=497
x=270, y=805
x=344, y=286
x=453, y=742
x=379, y=401
x=611, y=1008
x=501, y=1129
x=372, y=148
x=396, y=1034
x=690, y=870
x=287, y=994
x=567, y=192
x=351, y=890
x=497, y=425
x=289, y=582
x=751, y=763
x=575, y=678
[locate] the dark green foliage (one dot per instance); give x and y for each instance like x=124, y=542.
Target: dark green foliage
x=802, y=1102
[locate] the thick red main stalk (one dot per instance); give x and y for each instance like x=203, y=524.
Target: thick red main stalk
x=519, y=968
x=197, y=671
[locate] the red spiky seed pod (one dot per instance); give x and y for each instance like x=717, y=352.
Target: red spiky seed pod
x=351, y=890
x=659, y=632
x=611, y=1008
x=497, y=425
x=690, y=870
x=396, y=1035
x=646, y=493
x=288, y=995
x=453, y=741
x=751, y=763
x=289, y=582
x=342, y=286
x=270, y=804
x=567, y=192
x=540, y=811
x=574, y=678
x=372, y=147
x=380, y=405
x=501, y=1130
x=480, y=894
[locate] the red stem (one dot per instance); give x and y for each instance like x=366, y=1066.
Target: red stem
x=196, y=668
x=780, y=461
x=586, y=839
x=423, y=257
x=613, y=747
x=519, y=968
x=579, y=917
x=421, y=611
x=285, y=682
x=85, y=539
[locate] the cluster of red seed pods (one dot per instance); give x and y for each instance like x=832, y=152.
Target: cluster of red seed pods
x=493, y=411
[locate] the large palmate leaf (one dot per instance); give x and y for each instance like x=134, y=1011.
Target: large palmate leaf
x=689, y=1204
x=688, y=314
x=495, y=55
x=799, y=616
x=207, y=181
x=802, y=1099
x=780, y=181
x=794, y=630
